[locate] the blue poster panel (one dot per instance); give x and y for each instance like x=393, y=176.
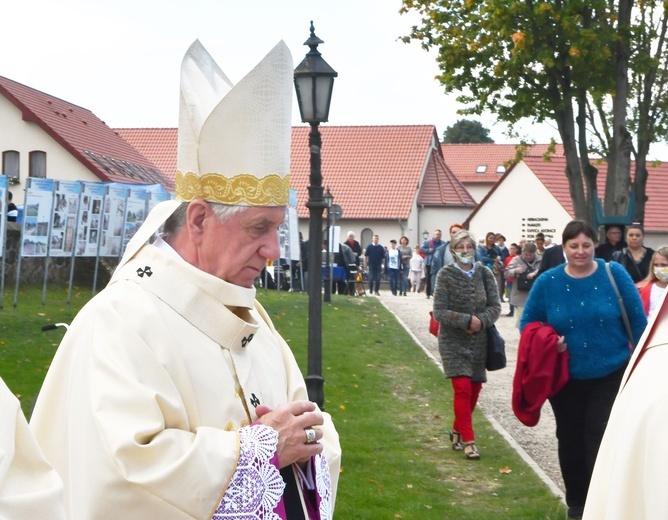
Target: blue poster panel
x=156, y=197
x=65, y=210
x=37, y=217
x=89, y=219
x=3, y=212
x=113, y=219
x=135, y=212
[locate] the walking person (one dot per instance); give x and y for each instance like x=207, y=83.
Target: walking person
x=406, y=254
x=579, y=301
x=635, y=257
x=172, y=395
x=416, y=269
x=394, y=266
x=428, y=248
x=466, y=304
x=524, y=270
x=513, y=252
x=654, y=285
x=374, y=257
x=442, y=255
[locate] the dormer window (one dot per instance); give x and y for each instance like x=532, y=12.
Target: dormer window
x=481, y=168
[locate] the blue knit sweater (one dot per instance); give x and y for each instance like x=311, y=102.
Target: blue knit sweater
x=586, y=312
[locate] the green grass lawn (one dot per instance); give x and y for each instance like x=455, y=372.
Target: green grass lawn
x=390, y=404
x=393, y=410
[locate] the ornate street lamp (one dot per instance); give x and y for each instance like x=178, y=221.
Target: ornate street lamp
x=425, y=234
x=329, y=199
x=314, y=80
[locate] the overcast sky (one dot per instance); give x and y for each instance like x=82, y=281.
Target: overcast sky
x=121, y=59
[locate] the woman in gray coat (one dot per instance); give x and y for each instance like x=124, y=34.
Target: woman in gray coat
x=466, y=304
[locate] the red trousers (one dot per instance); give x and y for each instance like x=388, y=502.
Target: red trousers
x=466, y=397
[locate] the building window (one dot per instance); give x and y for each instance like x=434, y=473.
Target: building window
x=37, y=164
x=500, y=169
x=481, y=169
x=366, y=237
x=10, y=166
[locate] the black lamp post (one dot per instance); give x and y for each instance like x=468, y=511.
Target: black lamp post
x=314, y=80
x=329, y=199
x=425, y=234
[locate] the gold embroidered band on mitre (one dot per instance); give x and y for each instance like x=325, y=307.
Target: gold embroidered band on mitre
x=240, y=190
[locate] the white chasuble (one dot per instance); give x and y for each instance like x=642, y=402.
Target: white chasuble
x=142, y=407
x=630, y=477
x=29, y=486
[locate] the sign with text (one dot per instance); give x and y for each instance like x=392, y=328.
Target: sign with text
x=113, y=218
x=38, y=206
x=135, y=212
x=3, y=212
x=90, y=219
x=533, y=225
x=64, y=223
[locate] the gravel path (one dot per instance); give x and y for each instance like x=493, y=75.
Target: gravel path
x=537, y=445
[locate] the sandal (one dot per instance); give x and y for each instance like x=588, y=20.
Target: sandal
x=470, y=451
x=456, y=440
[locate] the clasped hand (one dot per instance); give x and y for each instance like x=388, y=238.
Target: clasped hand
x=475, y=326
x=290, y=421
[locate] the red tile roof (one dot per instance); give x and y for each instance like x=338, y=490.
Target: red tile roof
x=158, y=145
x=84, y=136
x=372, y=171
x=485, y=163
x=552, y=175
x=441, y=188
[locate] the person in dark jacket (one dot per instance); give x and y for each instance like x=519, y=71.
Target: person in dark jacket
x=614, y=234
x=635, y=257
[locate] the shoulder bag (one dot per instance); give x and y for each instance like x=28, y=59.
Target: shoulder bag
x=622, y=309
x=523, y=283
x=496, y=350
x=496, y=347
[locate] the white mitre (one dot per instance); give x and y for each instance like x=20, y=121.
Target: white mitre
x=233, y=140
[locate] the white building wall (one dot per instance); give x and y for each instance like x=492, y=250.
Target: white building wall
x=519, y=208
x=478, y=191
x=385, y=229
x=25, y=137
x=441, y=218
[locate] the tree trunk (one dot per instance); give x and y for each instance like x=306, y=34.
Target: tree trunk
x=589, y=172
x=618, y=178
x=566, y=126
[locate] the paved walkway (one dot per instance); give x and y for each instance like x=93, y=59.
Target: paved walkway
x=538, y=445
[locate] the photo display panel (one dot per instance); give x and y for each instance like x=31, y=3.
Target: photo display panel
x=65, y=214
x=113, y=218
x=37, y=210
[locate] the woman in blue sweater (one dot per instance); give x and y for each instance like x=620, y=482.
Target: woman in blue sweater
x=578, y=300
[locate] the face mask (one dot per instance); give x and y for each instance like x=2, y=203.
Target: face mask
x=661, y=273
x=464, y=258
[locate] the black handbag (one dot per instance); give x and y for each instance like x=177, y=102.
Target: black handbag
x=496, y=350
x=523, y=283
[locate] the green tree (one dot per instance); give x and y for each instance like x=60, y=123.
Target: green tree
x=466, y=131
x=563, y=60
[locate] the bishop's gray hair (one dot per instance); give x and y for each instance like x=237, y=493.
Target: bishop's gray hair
x=177, y=220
